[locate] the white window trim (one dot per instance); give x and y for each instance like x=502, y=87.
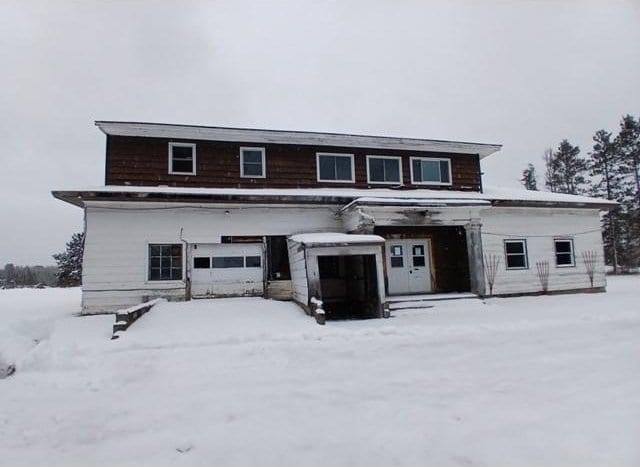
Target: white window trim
x=353, y=168
x=147, y=280
x=398, y=158
x=264, y=164
x=183, y=145
x=439, y=159
x=526, y=254
x=573, y=253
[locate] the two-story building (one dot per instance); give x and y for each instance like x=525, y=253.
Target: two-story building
x=191, y=211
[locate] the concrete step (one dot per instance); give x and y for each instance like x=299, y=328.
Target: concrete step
x=423, y=301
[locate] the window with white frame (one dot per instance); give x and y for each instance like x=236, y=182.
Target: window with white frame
x=252, y=163
x=381, y=169
x=564, y=252
x=165, y=262
x=335, y=167
x=182, y=158
x=430, y=171
x=515, y=252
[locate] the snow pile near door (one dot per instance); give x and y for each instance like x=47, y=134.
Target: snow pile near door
x=519, y=381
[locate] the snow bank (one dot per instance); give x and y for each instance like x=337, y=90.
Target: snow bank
x=539, y=381
x=27, y=317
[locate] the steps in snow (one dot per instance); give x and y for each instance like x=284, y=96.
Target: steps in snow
x=424, y=301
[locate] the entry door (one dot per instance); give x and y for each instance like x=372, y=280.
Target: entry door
x=408, y=268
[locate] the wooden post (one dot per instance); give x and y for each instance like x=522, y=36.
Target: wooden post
x=474, y=253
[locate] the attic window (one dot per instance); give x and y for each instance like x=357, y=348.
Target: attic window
x=182, y=159
x=252, y=163
x=430, y=171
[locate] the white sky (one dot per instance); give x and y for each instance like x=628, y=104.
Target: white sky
x=522, y=73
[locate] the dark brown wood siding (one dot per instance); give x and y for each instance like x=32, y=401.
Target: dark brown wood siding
x=141, y=161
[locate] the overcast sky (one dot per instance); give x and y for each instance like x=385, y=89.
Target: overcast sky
x=524, y=74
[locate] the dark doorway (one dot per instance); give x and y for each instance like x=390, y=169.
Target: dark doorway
x=349, y=286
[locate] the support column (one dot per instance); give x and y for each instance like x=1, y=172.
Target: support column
x=476, y=261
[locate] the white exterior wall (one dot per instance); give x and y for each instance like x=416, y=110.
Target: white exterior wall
x=539, y=226
x=298, y=267
x=117, y=234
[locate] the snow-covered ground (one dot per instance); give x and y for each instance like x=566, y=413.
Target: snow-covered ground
x=519, y=381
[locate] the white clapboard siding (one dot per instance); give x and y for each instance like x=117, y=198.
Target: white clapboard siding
x=115, y=258
x=298, y=266
x=539, y=227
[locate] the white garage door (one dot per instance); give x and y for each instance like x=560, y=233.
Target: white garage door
x=226, y=269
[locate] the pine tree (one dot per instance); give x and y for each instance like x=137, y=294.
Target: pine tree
x=550, y=175
x=567, y=170
x=606, y=181
x=70, y=262
x=530, y=178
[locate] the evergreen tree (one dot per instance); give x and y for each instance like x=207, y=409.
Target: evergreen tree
x=629, y=142
x=567, y=169
x=70, y=262
x=550, y=172
x=606, y=182
x=530, y=178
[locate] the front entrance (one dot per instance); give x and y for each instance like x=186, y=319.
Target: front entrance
x=408, y=266
x=225, y=270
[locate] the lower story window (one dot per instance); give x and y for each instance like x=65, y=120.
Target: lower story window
x=165, y=262
x=516, y=254
x=564, y=252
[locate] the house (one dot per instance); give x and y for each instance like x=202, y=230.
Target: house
x=193, y=211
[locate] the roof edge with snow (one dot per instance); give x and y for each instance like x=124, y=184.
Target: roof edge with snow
x=250, y=135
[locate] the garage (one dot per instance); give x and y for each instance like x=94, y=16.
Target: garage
x=226, y=270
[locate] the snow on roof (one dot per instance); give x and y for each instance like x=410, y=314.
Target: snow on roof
x=489, y=194
x=247, y=135
x=323, y=238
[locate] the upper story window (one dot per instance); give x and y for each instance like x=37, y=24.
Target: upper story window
x=335, y=167
x=564, y=252
x=515, y=252
x=430, y=171
x=381, y=169
x=252, y=163
x=182, y=158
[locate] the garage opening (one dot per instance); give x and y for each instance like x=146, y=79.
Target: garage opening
x=349, y=286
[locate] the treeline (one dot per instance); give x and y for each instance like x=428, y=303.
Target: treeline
x=28, y=276
x=610, y=170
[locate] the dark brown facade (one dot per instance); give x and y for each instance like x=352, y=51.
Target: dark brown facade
x=143, y=161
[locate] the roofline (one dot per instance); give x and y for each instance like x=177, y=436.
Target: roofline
x=78, y=198
x=257, y=135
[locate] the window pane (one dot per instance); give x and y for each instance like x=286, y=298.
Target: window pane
x=430, y=171
x=154, y=262
x=182, y=152
x=327, y=167
x=225, y=262
x=176, y=250
x=202, y=262
x=444, y=172
x=417, y=171
x=397, y=262
x=165, y=250
x=343, y=168
x=252, y=261
x=564, y=259
x=418, y=261
x=154, y=250
x=376, y=170
x=252, y=156
x=165, y=262
x=176, y=274
x=516, y=261
x=563, y=246
x=418, y=250
x=154, y=274
x=392, y=170
x=396, y=250
x=252, y=169
x=515, y=247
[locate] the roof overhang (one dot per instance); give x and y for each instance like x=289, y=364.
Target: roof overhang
x=324, y=239
x=258, y=136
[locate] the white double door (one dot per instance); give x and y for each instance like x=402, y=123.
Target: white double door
x=408, y=266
